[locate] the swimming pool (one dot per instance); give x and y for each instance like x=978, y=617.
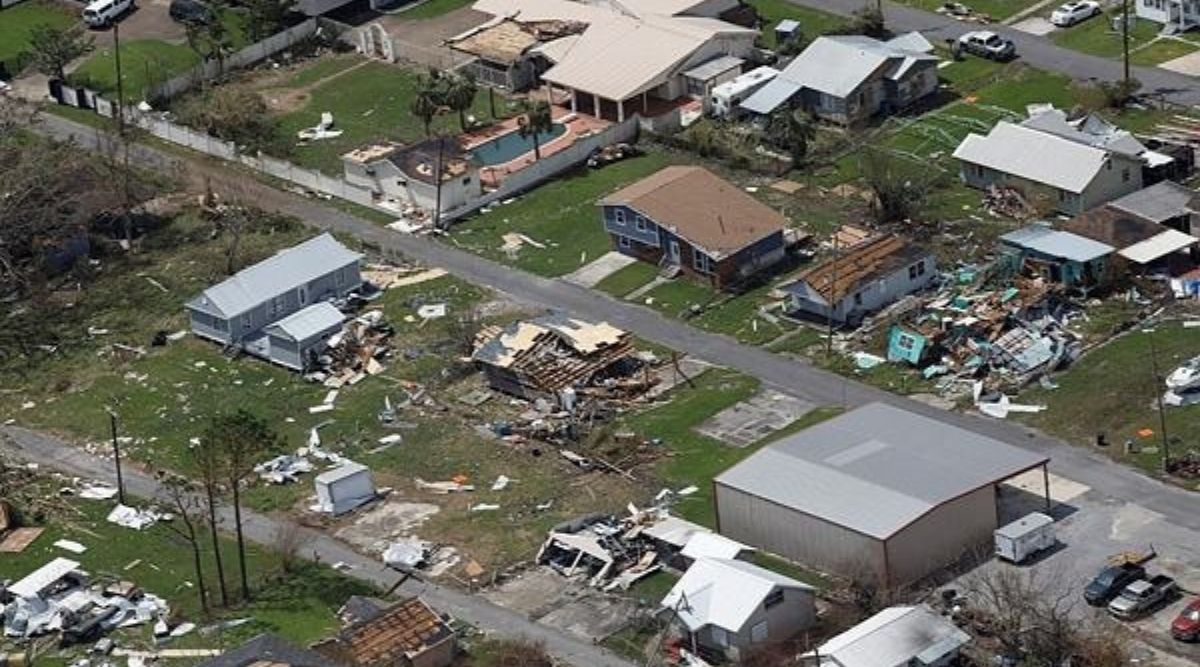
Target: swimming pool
x=508, y=147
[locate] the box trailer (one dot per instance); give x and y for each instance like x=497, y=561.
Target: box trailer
x=725, y=97
x=344, y=488
x=1025, y=537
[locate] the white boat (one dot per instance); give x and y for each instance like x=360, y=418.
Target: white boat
x=1186, y=377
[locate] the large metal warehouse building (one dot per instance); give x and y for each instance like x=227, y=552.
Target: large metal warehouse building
x=877, y=491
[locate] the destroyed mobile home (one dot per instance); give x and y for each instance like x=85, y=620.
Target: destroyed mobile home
x=60, y=598
x=558, y=358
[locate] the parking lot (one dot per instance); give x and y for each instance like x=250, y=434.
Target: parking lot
x=1090, y=530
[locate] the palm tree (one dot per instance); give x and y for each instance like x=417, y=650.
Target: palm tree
x=791, y=130
x=427, y=101
x=537, y=120
x=460, y=95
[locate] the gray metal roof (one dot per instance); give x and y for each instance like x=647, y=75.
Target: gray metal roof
x=709, y=69
x=770, y=96
x=275, y=275
x=344, y=471
x=1158, y=203
x=269, y=649
x=1057, y=243
x=894, y=636
x=309, y=322
x=876, y=469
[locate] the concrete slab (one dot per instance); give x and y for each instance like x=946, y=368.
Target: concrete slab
x=594, y=616
x=1035, y=25
x=754, y=418
x=535, y=593
x=604, y=266
x=549, y=598
x=374, y=530
x=1189, y=64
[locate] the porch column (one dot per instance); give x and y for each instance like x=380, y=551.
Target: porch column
x=645, y=98
x=574, y=102
x=550, y=94
x=621, y=111
x=1046, y=483
x=596, y=106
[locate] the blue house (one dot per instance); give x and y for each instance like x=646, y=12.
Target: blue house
x=279, y=309
x=1059, y=256
x=688, y=220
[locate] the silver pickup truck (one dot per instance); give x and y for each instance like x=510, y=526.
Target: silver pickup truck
x=1142, y=596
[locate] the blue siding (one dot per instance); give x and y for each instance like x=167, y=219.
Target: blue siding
x=629, y=229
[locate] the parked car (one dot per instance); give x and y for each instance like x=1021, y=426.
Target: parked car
x=193, y=12
x=1143, y=595
x=1111, y=581
x=1074, y=12
x=1186, y=626
x=101, y=13
x=987, y=44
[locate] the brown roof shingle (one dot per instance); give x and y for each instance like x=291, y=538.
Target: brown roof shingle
x=700, y=207
x=407, y=628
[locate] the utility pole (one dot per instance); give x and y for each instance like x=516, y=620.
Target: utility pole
x=831, y=298
x=1125, y=39
x=1158, y=394
x=437, y=179
x=112, y=422
x=120, y=84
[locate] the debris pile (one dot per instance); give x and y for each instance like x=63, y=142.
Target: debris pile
x=1006, y=202
x=358, y=350
x=58, y=597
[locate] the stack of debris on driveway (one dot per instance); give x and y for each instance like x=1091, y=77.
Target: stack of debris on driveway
x=59, y=598
x=558, y=358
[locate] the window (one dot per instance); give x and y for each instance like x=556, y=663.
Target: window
x=858, y=298
x=640, y=223
x=619, y=216
x=916, y=270
x=339, y=277
x=277, y=305
x=758, y=632
x=699, y=261
x=302, y=294
x=905, y=342
x=1125, y=175
x=773, y=599
x=466, y=181
x=624, y=242
x=719, y=636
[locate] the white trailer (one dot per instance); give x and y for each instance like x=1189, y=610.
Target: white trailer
x=344, y=488
x=1025, y=537
x=727, y=96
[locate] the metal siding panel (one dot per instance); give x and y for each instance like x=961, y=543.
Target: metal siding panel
x=795, y=535
x=943, y=536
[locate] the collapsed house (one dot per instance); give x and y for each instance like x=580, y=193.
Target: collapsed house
x=280, y=309
x=553, y=357
x=407, y=634
x=60, y=598
x=402, y=176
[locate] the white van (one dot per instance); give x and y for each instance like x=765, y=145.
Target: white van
x=103, y=12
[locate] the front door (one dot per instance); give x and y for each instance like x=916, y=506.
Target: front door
x=673, y=251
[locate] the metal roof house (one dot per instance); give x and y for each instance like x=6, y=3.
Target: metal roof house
x=687, y=219
x=847, y=79
x=878, y=492
x=895, y=637
x=1072, y=173
x=729, y=607
x=278, y=309
x=1059, y=256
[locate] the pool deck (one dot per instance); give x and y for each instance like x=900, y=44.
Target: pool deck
x=577, y=125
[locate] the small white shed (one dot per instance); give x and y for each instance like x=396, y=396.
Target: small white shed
x=344, y=488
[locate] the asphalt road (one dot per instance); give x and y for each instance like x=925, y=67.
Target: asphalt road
x=51, y=453
x=1037, y=51
x=800, y=379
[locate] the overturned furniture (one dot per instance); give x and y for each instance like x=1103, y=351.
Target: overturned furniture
x=551, y=356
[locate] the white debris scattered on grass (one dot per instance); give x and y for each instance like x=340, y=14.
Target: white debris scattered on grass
x=130, y=517
x=501, y=483
x=484, y=507
x=432, y=311
x=443, y=487
x=390, y=439
x=405, y=553
x=97, y=491
x=71, y=545
x=283, y=469
x=318, y=409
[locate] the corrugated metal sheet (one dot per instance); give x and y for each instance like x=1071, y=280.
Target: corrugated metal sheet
x=714, y=67
x=724, y=593
x=1158, y=203
x=876, y=469
x=311, y=321
x=1034, y=156
x=1057, y=243
x=770, y=96
x=895, y=636
x=1168, y=242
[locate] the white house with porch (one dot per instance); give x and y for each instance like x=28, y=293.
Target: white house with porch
x=1175, y=15
x=634, y=62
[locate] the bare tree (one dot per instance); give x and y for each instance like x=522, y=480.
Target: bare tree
x=243, y=440
x=189, y=508
x=205, y=459
x=54, y=48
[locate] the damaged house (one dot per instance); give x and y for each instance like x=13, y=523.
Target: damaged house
x=403, y=176
x=551, y=356
x=1056, y=255
x=1149, y=229
x=407, y=634
x=862, y=279
x=279, y=309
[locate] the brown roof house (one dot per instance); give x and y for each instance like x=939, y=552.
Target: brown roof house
x=687, y=219
x=407, y=634
x=862, y=279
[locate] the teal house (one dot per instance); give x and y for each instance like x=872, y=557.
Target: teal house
x=1058, y=256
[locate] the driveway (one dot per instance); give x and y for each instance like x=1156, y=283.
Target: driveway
x=149, y=20
x=1035, y=50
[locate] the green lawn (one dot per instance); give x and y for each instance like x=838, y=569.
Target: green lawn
x=1162, y=50
x=560, y=214
x=997, y=9
x=628, y=279
x=812, y=22
x=434, y=8
x=1112, y=390
x=300, y=605
x=17, y=21
x=144, y=63
x=1096, y=36
x=368, y=104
